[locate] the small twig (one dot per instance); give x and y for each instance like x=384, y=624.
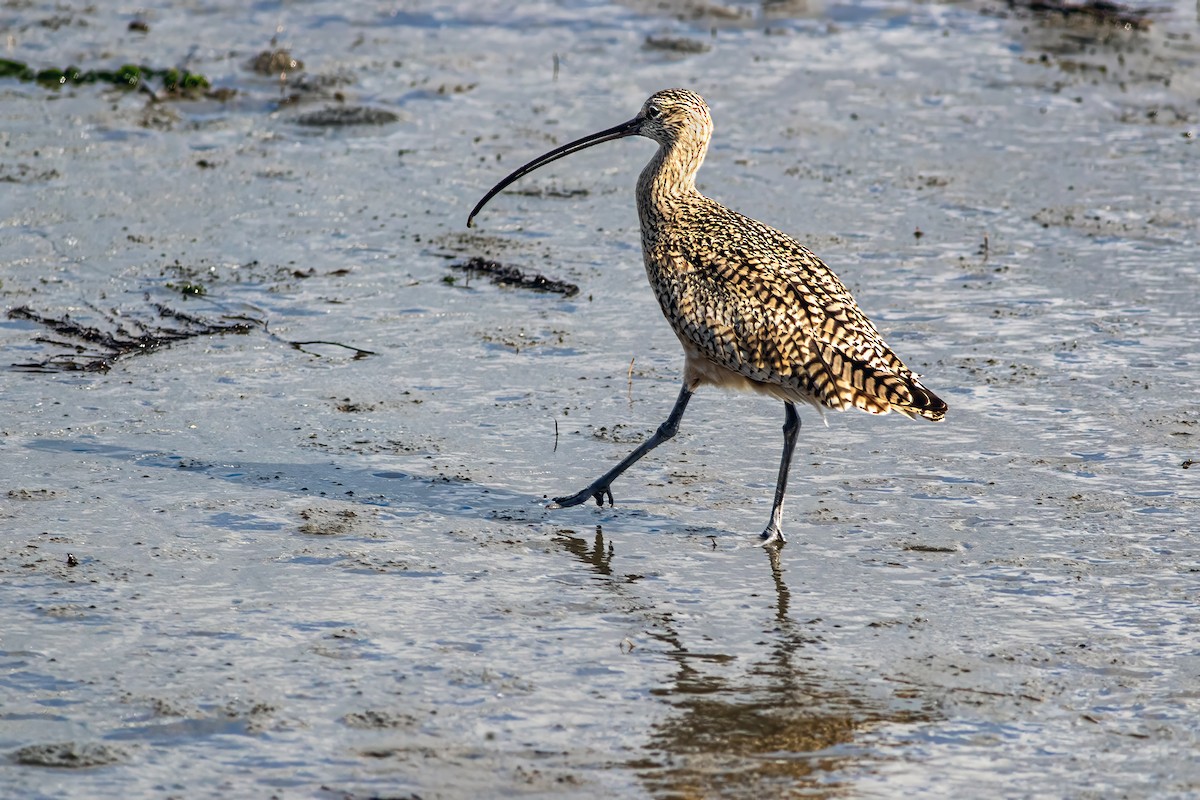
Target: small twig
x=555, y=450
x=629, y=379
x=358, y=351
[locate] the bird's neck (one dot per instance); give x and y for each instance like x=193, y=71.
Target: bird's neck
x=669, y=180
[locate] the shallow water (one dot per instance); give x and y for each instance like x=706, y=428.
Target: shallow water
x=302, y=573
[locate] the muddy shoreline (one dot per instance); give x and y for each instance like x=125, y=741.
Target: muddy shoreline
x=312, y=558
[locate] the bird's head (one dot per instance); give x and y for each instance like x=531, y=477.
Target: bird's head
x=667, y=117
x=674, y=114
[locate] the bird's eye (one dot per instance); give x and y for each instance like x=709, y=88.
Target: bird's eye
x=653, y=112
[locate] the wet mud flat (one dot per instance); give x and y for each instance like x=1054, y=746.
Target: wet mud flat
x=309, y=556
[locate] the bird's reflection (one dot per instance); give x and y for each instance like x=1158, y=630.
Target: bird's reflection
x=782, y=595
x=780, y=727
x=598, y=556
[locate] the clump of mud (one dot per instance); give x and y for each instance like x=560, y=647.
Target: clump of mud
x=334, y=116
x=275, y=62
x=373, y=718
x=324, y=522
x=72, y=755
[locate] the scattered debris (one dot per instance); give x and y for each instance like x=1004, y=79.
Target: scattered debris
x=188, y=288
x=372, y=718
x=539, y=191
x=324, y=522
x=32, y=494
x=504, y=275
x=24, y=173
x=456, y=88
x=676, y=44
x=917, y=547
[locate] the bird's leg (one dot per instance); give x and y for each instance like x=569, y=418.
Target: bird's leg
x=599, y=488
x=791, y=427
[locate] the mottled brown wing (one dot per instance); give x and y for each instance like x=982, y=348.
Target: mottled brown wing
x=762, y=305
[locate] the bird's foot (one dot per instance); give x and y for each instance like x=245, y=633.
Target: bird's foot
x=773, y=536
x=596, y=493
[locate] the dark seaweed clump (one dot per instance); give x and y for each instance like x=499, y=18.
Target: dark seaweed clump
x=504, y=275
x=93, y=349
x=1105, y=12
x=333, y=116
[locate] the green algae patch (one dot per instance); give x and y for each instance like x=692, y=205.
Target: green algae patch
x=173, y=80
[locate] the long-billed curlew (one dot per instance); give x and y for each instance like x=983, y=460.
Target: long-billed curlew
x=752, y=307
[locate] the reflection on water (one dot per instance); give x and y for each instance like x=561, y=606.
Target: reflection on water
x=599, y=557
x=781, y=727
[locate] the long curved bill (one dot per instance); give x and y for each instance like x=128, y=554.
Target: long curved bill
x=619, y=132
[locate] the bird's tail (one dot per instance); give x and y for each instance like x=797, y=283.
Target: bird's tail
x=879, y=388
x=922, y=403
